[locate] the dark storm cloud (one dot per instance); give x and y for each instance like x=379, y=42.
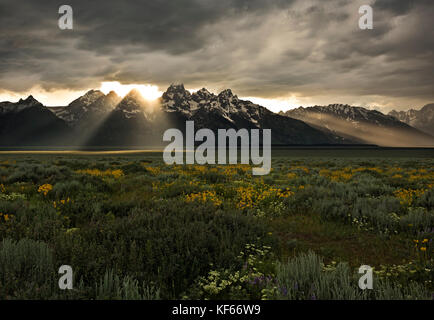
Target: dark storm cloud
x=113, y=29
x=268, y=48
x=397, y=7
x=400, y=7
x=167, y=25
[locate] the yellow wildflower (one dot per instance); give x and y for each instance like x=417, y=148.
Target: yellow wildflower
x=407, y=196
x=118, y=173
x=45, y=188
x=204, y=197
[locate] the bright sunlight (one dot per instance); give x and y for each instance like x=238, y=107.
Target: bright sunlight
x=149, y=92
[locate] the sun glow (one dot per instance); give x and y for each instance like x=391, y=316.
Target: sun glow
x=149, y=92
x=277, y=104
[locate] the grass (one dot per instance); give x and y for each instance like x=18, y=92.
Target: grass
x=133, y=228
x=336, y=240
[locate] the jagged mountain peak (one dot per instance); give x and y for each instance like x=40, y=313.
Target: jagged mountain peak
x=226, y=93
x=10, y=107
x=133, y=105
x=94, y=94
x=93, y=103
x=132, y=99
x=176, y=87
x=203, y=91
x=202, y=95
x=203, y=104
x=30, y=101
x=88, y=98
x=228, y=100
x=176, y=92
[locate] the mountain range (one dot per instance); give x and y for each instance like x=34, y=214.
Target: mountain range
x=422, y=119
x=362, y=125
x=98, y=119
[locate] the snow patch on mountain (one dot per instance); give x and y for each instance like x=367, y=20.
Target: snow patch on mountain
x=225, y=104
x=94, y=102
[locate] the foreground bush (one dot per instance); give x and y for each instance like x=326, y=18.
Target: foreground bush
x=26, y=269
x=306, y=277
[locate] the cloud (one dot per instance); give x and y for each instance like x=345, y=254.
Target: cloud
x=268, y=49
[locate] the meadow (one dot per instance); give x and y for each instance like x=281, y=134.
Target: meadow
x=132, y=227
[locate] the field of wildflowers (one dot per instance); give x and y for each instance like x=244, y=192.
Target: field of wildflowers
x=132, y=227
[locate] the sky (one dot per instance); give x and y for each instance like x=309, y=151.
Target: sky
x=278, y=53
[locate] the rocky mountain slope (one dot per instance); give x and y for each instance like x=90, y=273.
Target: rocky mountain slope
x=28, y=123
x=366, y=126
x=422, y=119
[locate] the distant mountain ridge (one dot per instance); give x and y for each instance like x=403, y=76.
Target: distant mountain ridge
x=10, y=107
x=422, y=119
x=361, y=124
x=29, y=123
x=98, y=119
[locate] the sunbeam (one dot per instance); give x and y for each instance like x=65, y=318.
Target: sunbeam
x=149, y=92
